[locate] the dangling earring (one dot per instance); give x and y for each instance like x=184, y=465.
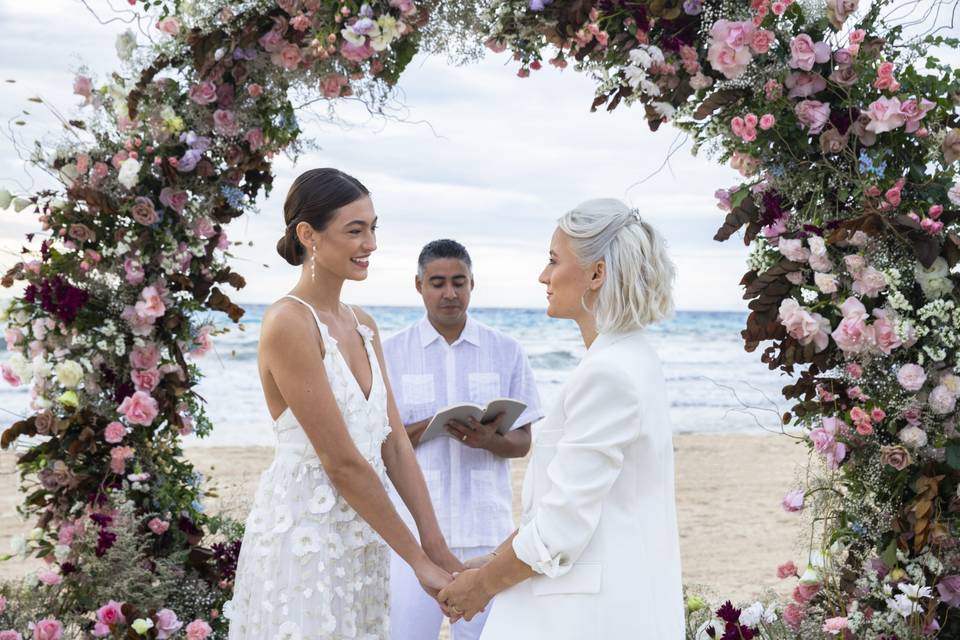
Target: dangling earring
x=313, y=265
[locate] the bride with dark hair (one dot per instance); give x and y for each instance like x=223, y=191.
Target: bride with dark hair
x=314, y=561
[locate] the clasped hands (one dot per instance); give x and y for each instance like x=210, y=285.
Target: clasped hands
x=459, y=590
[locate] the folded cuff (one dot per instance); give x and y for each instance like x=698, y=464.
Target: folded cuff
x=531, y=550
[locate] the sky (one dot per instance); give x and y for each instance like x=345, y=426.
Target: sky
x=478, y=155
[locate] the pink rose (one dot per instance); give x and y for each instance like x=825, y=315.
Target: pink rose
x=272, y=41
x=111, y=613
x=767, y=121
x=877, y=414
x=844, y=76
x=838, y=11
x=175, y=200
x=202, y=343
x=793, y=249
x=793, y=616
x=869, y=282
x=114, y=432
x=167, y=624
x=914, y=112
x=255, y=90
x=100, y=630
x=10, y=634
x=773, y=90
x=198, y=630
x=832, y=141
x=145, y=357
x=857, y=36
x=804, y=53
x=204, y=93
x=140, y=408
x=835, y=626
x=47, y=629
x=813, y=114
x=50, y=578
x=746, y=164
x=495, y=45
x=803, y=326
x=793, y=501
x=133, y=270
x=885, y=115
x=356, y=52
x=852, y=335
x=853, y=370
x=787, y=570
x=331, y=84
x=254, y=138
x=803, y=84
x=143, y=211
x=885, y=333
x=83, y=86
x=150, y=304
x=145, y=379
x=911, y=377
x=300, y=22
x=158, y=526
x=225, y=122
x=843, y=57
x=288, y=57
x=169, y=25
x=761, y=41
x=895, y=456
x=803, y=593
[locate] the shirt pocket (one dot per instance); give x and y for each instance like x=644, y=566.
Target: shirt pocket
x=483, y=387
x=418, y=389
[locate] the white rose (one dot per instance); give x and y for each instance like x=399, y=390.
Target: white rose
x=751, y=616
x=913, y=437
x=5, y=198
x=129, y=173
x=826, y=282
x=69, y=374
x=41, y=368
x=934, y=281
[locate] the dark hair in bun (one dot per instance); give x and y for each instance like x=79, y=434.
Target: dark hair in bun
x=314, y=198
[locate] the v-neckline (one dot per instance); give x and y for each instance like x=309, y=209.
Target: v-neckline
x=343, y=360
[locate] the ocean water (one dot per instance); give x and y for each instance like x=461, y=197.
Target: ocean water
x=712, y=383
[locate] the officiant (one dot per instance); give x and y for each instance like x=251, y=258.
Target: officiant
x=446, y=358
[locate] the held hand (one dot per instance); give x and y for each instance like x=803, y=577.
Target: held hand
x=465, y=597
x=432, y=578
x=474, y=434
x=444, y=558
x=478, y=562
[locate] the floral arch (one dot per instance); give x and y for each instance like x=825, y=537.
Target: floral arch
x=843, y=128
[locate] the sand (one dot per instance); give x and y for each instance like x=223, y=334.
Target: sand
x=733, y=532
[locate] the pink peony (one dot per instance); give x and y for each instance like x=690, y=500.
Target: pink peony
x=793, y=616
x=885, y=115
x=804, y=53
x=911, y=377
x=793, y=501
x=204, y=93
x=111, y=613
x=803, y=84
x=140, y=408
x=167, y=624
x=787, y=570
x=813, y=114
x=198, y=630
x=47, y=629
x=835, y=626
x=158, y=526
x=145, y=379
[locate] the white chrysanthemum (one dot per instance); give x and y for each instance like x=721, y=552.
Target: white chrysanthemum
x=323, y=499
x=69, y=374
x=305, y=540
x=903, y=605
x=914, y=591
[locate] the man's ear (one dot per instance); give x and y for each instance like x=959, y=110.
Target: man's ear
x=598, y=276
x=418, y=283
x=472, y=283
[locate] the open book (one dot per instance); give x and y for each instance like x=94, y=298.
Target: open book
x=437, y=426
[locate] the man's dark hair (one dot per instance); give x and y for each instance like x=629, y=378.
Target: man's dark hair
x=442, y=249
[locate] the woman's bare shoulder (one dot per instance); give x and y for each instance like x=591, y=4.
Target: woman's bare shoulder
x=284, y=320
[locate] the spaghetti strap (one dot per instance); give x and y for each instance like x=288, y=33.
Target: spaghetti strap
x=324, y=331
x=354, y=313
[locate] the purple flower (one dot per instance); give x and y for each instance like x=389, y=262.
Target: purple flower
x=189, y=160
x=949, y=588
x=366, y=11
x=693, y=7
x=363, y=26
x=538, y=5
x=105, y=540
x=244, y=54
x=728, y=613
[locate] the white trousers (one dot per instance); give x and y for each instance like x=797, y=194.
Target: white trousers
x=414, y=615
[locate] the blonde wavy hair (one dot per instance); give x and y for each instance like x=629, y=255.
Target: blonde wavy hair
x=638, y=286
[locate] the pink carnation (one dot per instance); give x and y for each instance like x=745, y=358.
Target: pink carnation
x=140, y=408
x=793, y=616
x=6, y=371
x=787, y=570
x=803, y=593
x=761, y=41
x=114, y=433
x=119, y=457
x=158, y=526
x=835, y=626
x=911, y=377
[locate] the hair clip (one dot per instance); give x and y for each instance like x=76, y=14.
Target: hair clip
x=636, y=215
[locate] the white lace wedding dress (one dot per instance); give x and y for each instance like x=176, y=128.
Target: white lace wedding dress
x=310, y=568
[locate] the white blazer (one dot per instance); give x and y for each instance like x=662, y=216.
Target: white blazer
x=599, y=520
